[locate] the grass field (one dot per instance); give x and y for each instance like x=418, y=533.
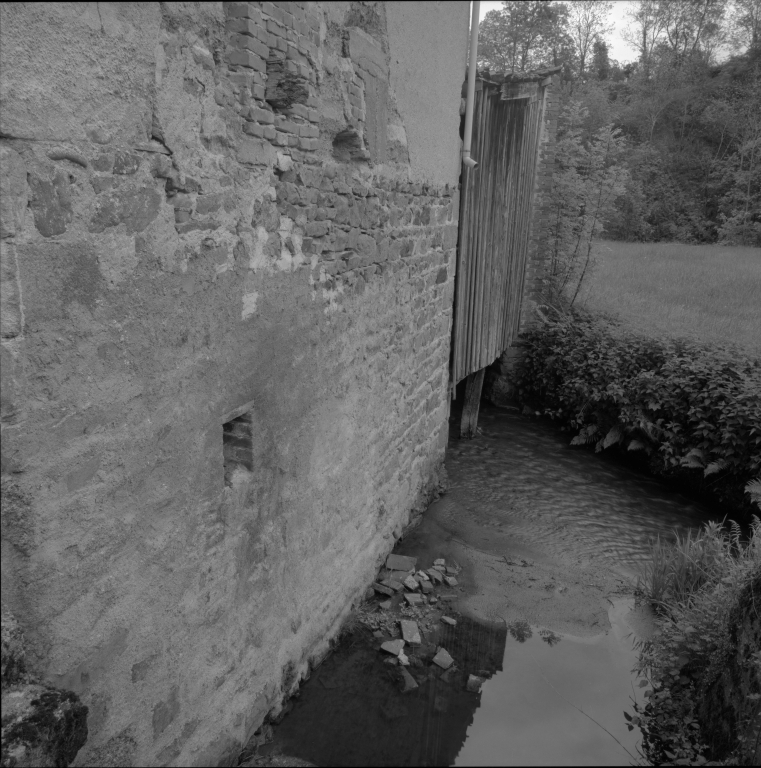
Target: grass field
x=707, y=292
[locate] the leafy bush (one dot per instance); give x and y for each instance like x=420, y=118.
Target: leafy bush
x=697, y=586
x=693, y=409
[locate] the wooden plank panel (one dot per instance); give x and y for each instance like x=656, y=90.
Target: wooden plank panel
x=495, y=221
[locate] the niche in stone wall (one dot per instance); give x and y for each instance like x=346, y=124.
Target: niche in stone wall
x=238, y=441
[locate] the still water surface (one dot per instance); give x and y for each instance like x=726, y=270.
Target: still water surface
x=548, y=698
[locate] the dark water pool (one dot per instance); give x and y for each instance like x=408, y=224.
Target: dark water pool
x=547, y=697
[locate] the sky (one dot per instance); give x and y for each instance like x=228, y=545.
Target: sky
x=617, y=48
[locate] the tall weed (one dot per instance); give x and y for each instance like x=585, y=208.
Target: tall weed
x=696, y=585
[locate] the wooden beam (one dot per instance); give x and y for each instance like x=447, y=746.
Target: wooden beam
x=469, y=421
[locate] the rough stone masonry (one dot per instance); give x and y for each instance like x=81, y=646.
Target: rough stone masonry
x=228, y=243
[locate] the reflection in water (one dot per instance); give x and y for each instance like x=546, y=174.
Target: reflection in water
x=353, y=713
x=559, y=704
x=520, y=630
x=549, y=637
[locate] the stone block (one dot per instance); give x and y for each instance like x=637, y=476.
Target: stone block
x=410, y=632
x=245, y=11
x=394, y=647
x=10, y=295
x=254, y=129
x=264, y=116
x=253, y=44
x=400, y=562
x=51, y=203
x=135, y=207
x=408, y=681
x=414, y=598
x=13, y=192
x=443, y=659
x=253, y=151
x=126, y=163
x=244, y=58
x=383, y=589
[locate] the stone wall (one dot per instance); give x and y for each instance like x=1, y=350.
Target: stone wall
x=227, y=275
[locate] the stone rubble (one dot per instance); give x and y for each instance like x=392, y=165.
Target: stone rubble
x=443, y=659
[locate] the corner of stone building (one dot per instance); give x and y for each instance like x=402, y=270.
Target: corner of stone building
x=207, y=207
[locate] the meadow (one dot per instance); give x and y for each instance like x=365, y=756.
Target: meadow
x=709, y=293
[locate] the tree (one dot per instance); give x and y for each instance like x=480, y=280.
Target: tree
x=644, y=31
x=600, y=60
x=588, y=180
x=586, y=22
x=745, y=25
x=522, y=35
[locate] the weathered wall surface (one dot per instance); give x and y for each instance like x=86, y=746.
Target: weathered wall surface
x=499, y=385
x=214, y=211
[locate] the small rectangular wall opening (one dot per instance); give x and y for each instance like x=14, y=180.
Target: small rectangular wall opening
x=237, y=445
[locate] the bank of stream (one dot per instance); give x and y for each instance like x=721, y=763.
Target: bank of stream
x=543, y=541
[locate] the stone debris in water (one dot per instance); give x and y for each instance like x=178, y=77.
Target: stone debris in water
x=411, y=584
x=403, y=659
x=410, y=632
x=383, y=589
x=395, y=585
x=423, y=575
x=435, y=575
x=394, y=647
x=451, y=581
x=439, y=561
x=399, y=575
x=378, y=634
x=426, y=587
x=414, y=598
x=449, y=620
x=443, y=659
x=408, y=681
x=439, y=568
x=400, y=563
x=474, y=684
x=385, y=605
x=451, y=571
x=448, y=675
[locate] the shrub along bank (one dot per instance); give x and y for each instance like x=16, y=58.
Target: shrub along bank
x=704, y=662
x=693, y=410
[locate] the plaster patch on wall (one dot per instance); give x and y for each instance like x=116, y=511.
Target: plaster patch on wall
x=291, y=255
x=255, y=240
x=396, y=133
x=117, y=258
x=249, y=305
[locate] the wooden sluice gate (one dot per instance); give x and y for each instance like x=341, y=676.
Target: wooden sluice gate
x=496, y=210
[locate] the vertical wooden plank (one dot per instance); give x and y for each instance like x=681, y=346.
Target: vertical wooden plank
x=469, y=420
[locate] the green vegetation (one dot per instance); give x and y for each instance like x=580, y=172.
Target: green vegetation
x=692, y=410
x=702, y=586
x=687, y=116
x=709, y=293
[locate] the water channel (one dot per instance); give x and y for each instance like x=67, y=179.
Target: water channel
x=545, y=539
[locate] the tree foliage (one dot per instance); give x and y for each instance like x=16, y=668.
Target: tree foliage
x=685, y=117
